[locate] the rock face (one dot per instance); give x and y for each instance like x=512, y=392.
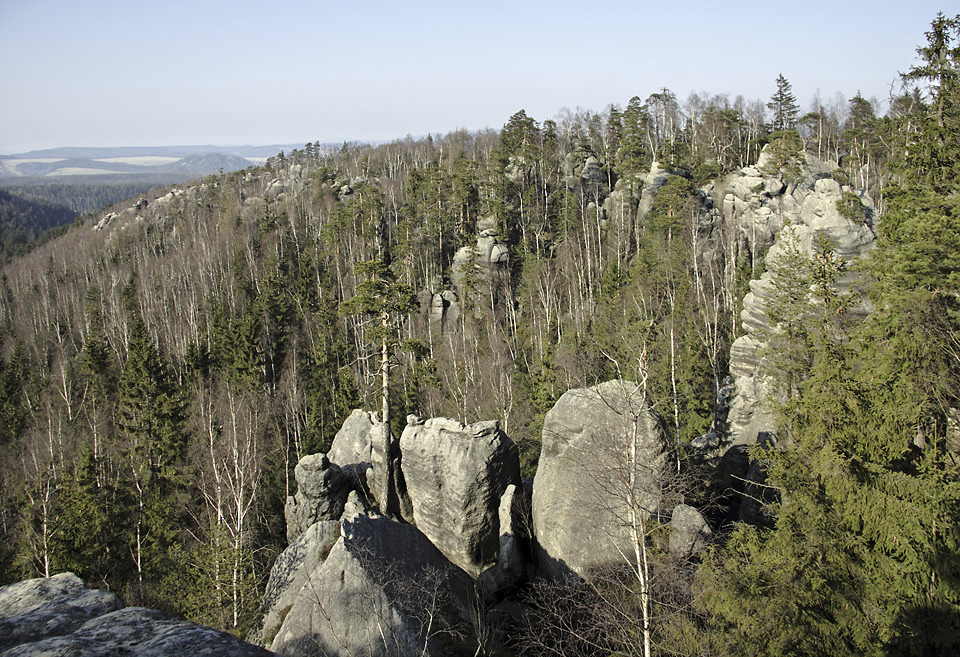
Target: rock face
x=444, y=309
x=481, y=261
x=290, y=573
x=60, y=617
x=689, y=532
x=358, y=450
x=455, y=475
x=652, y=182
x=352, y=446
x=384, y=589
x=768, y=211
x=591, y=438
x=515, y=536
x=322, y=490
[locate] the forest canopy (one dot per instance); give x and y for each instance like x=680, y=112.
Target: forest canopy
x=165, y=365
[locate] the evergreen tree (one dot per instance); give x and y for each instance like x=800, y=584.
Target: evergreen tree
x=151, y=427
x=388, y=302
x=934, y=153
x=784, y=106
x=863, y=556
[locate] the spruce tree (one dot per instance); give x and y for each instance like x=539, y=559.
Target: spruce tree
x=150, y=419
x=863, y=556
x=784, y=106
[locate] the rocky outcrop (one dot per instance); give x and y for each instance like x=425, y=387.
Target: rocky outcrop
x=358, y=450
x=290, y=573
x=352, y=446
x=322, y=490
x=650, y=185
x=480, y=262
x=444, y=309
x=689, y=532
x=600, y=446
x=366, y=584
x=768, y=211
x=455, y=475
x=383, y=589
x=515, y=523
x=60, y=617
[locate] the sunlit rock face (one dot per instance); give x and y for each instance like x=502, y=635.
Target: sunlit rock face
x=769, y=213
x=455, y=475
x=602, y=446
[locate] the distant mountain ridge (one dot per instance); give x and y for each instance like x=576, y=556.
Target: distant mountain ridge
x=103, y=152
x=196, y=164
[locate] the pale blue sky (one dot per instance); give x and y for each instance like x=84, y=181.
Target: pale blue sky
x=125, y=73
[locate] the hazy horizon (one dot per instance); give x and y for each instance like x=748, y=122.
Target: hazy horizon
x=111, y=74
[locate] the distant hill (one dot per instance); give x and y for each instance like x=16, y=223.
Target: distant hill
x=196, y=165
x=82, y=180
x=205, y=163
x=24, y=219
x=95, y=152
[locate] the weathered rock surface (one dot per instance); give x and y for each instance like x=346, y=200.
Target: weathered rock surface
x=592, y=437
x=59, y=617
x=768, y=212
x=322, y=490
x=377, y=593
x=353, y=445
x=482, y=260
x=455, y=475
x=689, y=532
x=444, y=309
x=358, y=450
x=291, y=570
x=515, y=536
x=49, y=606
x=652, y=182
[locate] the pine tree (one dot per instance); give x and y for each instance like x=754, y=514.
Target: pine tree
x=387, y=302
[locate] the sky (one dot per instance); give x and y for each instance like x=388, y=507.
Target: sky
x=134, y=73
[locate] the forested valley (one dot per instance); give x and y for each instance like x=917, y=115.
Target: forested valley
x=165, y=364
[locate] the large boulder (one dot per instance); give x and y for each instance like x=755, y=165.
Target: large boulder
x=689, y=532
x=455, y=475
x=601, y=446
x=52, y=606
x=322, y=490
x=60, y=617
x=352, y=446
x=384, y=589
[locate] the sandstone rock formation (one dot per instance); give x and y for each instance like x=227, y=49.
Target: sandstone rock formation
x=290, y=573
x=651, y=184
x=455, y=475
x=689, y=532
x=515, y=524
x=481, y=261
x=322, y=490
x=593, y=439
x=60, y=617
x=352, y=446
x=767, y=211
x=358, y=450
x=383, y=589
